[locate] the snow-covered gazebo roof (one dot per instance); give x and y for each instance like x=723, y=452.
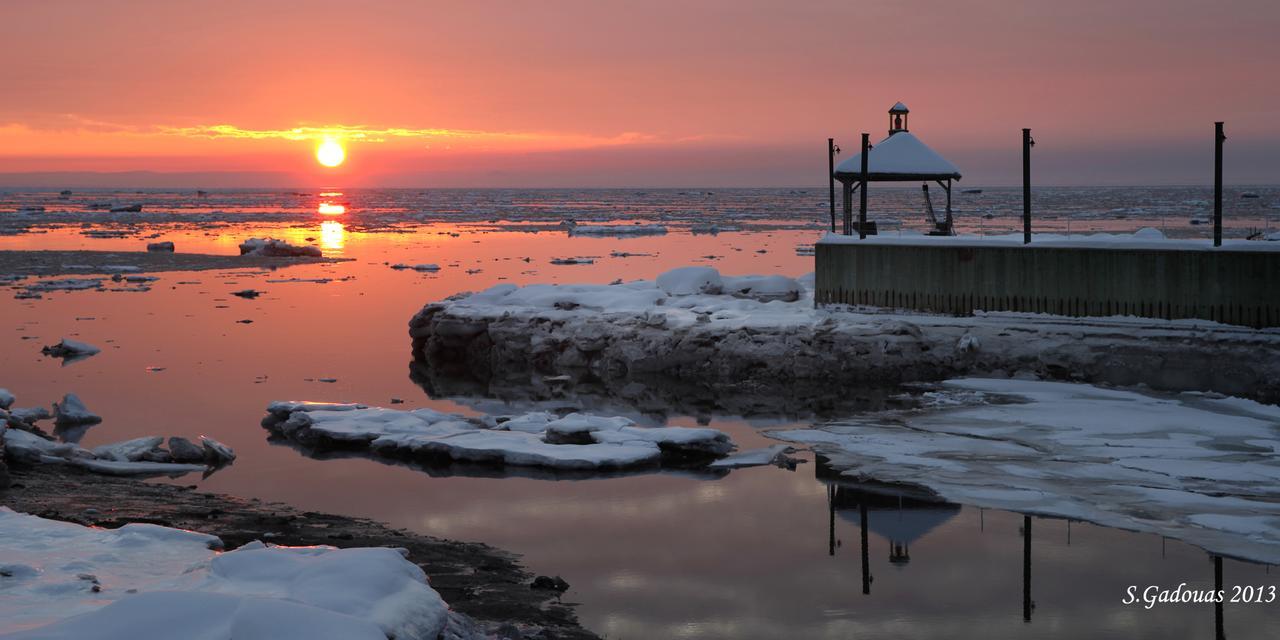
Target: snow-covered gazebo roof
x=901, y=157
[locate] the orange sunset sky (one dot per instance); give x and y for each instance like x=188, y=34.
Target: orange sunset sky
x=653, y=93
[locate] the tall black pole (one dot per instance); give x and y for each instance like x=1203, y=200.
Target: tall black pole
x=1026, y=186
x=1026, y=567
x=862, y=197
x=1217, y=183
x=831, y=178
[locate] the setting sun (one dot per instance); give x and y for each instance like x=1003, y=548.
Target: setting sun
x=330, y=153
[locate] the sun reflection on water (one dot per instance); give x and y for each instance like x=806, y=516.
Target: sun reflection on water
x=332, y=235
x=331, y=209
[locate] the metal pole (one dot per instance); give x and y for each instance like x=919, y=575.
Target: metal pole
x=1026, y=186
x=1217, y=183
x=862, y=197
x=831, y=178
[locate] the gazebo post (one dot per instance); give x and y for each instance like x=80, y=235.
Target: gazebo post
x=862, y=197
x=847, y=189
x=951, y=230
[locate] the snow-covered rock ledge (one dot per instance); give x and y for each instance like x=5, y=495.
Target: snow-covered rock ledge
x=1198, y=467
x=576, y=442
x=763, y=335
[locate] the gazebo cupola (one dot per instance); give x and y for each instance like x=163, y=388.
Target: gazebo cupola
x=898, y=118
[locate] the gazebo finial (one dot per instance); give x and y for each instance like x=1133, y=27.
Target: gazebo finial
x=898, y=118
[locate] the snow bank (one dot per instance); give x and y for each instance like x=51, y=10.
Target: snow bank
x=276, y=248
x=762, y=334
x=575, y=442
x=62, y=580
x=1184, y=466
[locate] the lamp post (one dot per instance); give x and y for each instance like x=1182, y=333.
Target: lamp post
x=862, y=197
x=1218, y=137
x=832, y=150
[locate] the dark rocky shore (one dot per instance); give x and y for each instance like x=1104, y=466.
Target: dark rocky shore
x=480, y=581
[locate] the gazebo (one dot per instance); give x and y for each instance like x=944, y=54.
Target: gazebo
x=901, y=157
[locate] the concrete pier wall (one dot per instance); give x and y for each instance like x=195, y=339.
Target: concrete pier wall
x=1234, y=287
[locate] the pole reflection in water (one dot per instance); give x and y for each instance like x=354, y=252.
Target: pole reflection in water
x=1027, y=605
x=866, y=566
x=1217, y=606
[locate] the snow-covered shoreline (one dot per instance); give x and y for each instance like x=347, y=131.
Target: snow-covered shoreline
x=738, y=343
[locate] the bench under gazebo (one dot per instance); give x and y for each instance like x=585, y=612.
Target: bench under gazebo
x=901, y=157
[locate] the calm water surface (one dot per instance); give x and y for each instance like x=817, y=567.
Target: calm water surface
x=759, y=553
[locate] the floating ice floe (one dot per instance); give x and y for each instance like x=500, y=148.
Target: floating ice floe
x=62, y=580
x=568, y=261
x=1201, y=468
x=713, y=229
x=758, y=334
x=276, y=248
x=575, y=442
x=617, y=230
x=400, y=266
x=752, y=458
x=70, y=350
x=63, y=284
